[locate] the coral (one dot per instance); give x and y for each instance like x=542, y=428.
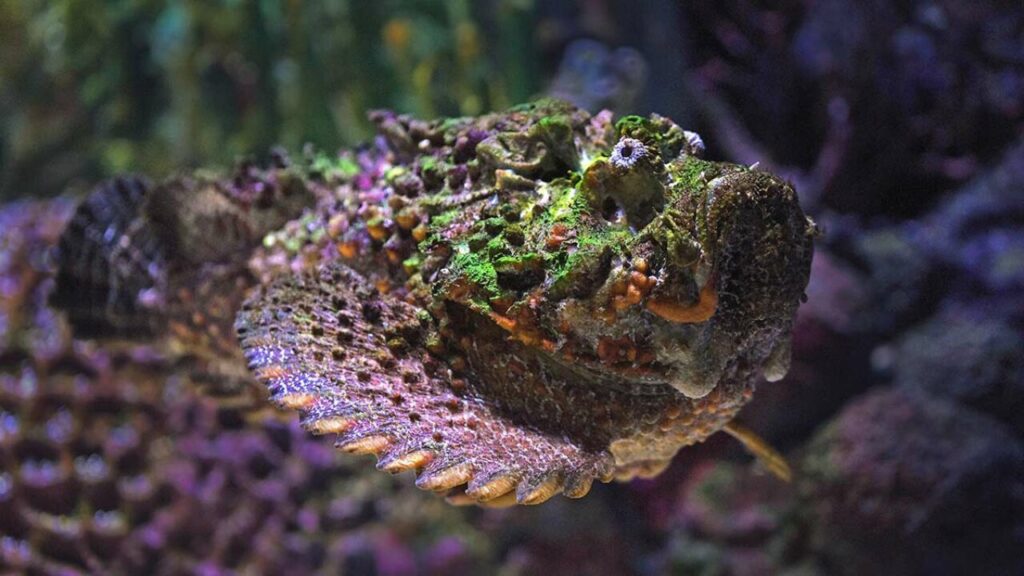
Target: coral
x=934, y=301
x=112, y=468
x=564, y=537
x=28, y=231
x=896, y=278
x=897, y=476
x=979, y=231
x=968, y=358
x=727, y=520
x=869, y=107
x=593, y=77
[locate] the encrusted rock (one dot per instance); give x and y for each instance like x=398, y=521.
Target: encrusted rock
x=904, y=483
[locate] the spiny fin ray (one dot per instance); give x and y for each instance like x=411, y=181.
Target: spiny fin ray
x=290, y=331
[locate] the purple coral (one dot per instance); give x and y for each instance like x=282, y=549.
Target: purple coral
x=122, y=470
x=627, y=153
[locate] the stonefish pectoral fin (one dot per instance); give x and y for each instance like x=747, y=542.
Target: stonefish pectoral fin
x=353, y=361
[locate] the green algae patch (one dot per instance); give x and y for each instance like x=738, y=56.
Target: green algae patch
x=478, y=270
x=690, y=174
x=334, y=167
x=445, y=219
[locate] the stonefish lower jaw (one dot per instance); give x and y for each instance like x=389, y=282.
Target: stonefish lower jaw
x=515, y=305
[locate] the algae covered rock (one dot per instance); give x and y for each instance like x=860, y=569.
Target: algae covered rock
x=905, y=483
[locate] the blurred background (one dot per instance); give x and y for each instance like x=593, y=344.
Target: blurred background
x=901, y=123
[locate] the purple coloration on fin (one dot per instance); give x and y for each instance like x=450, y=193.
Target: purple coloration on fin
x=348, y=376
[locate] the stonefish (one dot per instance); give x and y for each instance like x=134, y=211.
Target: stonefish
x=512, y=305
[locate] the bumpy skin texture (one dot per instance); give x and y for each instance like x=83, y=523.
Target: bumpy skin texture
x=512, y=305
x=517, y=304
x=167, y=262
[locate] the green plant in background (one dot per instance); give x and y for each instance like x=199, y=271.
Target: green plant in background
x=89, y=88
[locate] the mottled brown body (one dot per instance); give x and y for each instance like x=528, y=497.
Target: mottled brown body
x=512, y=305
x=166, y=263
